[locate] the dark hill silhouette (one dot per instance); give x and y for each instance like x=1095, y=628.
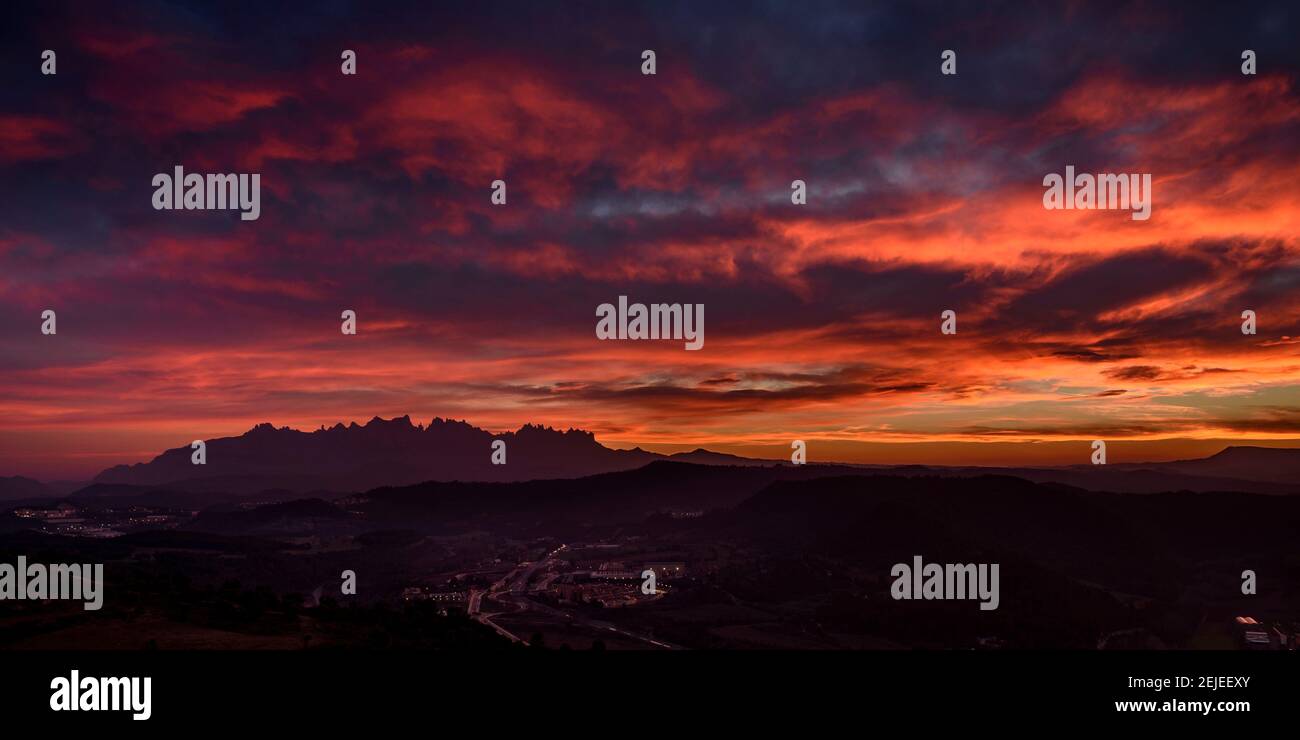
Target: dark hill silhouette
x=1245, y=463
x=393, y=452
x=701, y=456
x=17, y=487
x=397, y=452
x=559, y=506
x=1130, y=543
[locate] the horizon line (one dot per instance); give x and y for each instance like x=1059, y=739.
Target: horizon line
x=941, y=452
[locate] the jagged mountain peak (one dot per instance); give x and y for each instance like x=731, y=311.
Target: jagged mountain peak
x=381, y=452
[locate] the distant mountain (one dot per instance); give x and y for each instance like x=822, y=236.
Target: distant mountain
x=1241, y=469
x=380, y=453
x=701, y=456
x=17, y=487
x=1276, y=465
x=397, y=452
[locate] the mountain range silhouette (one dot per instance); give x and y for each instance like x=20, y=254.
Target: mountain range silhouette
x=398, y=452
x=388, y=453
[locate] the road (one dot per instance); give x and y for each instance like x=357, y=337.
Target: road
x=511, y=592
x=508, y=592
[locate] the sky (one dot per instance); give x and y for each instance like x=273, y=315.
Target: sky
x=822, y=320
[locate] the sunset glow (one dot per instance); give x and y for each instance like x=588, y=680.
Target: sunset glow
x=924, y=194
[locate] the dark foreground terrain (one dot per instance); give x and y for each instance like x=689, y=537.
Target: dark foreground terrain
x=745, y=556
